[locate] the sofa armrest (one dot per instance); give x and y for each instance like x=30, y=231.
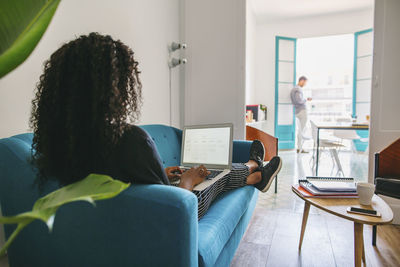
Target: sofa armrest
x=146, y=225
x=241, y=151
x=166, y=224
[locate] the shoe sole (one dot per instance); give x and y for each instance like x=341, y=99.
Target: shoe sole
x=273, y=177
x=263, y=150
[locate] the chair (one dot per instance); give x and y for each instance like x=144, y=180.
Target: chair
x=303, y=135
x=335, y=155
x=349, y=135
x=387, y=175
x=325, y=144
x=270, y=144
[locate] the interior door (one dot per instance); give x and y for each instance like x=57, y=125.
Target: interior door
x=285, y=79
x=362, y=80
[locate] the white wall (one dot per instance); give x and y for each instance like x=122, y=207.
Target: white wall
x=215, y=72
x=385, y=95
x=298, y=28
x=146, y=26
x=251, y=25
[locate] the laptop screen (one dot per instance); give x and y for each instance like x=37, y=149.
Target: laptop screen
x=208, y=145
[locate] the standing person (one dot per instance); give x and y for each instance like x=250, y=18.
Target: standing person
x=299, y=103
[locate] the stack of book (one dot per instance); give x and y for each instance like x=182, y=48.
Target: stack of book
x=327, y=187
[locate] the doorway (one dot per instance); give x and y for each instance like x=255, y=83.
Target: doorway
x=339, y=69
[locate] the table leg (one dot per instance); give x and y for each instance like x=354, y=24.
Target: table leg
x=358, y=244
x=374, y=235
x=304, y=223
x=363, y=248
x=317, y=156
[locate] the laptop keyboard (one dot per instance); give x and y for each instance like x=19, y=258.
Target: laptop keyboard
x=212, y=175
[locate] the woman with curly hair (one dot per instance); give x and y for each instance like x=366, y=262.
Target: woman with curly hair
x=86, y=101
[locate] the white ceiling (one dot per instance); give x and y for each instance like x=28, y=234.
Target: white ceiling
x=288, y=9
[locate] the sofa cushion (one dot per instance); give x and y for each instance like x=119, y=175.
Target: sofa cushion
x=227, y=254
x=218, y=224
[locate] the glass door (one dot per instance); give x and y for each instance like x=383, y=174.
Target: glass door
x=363, y=42
x=285, y=80
x=362, y=81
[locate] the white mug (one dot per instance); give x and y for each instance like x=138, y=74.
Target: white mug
x=365, y=193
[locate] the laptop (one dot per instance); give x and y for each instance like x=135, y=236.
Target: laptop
x=208, y=145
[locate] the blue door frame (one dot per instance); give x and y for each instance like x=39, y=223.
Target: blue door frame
x=356, y=57
x=360, y=145
x=285, y=133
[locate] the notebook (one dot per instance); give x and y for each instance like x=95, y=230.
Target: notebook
x=340, y=184
x=305, y=184
x=301, y=190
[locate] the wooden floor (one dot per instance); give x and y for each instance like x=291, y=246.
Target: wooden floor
x=273, y=233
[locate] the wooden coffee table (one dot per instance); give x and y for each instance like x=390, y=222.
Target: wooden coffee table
x=338, y=207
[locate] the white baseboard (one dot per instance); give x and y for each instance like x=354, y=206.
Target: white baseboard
x=394, y=203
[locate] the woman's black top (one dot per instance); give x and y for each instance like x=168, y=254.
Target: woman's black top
x=136, y=160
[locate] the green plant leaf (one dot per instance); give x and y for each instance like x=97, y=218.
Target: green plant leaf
x=22, y=24
x=92, y=188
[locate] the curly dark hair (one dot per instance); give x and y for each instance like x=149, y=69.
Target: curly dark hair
x=89, y=91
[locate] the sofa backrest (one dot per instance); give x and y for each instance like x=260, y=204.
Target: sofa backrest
x=168, y=141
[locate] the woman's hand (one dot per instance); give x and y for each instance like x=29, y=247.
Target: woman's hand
x=173, y=173
x=193, y=177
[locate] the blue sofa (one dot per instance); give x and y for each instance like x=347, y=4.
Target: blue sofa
x=146, y=225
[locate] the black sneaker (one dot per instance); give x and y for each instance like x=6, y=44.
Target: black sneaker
x=257, y=152
x=268, y=173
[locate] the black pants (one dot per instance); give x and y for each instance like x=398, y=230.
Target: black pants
x=236, y=178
